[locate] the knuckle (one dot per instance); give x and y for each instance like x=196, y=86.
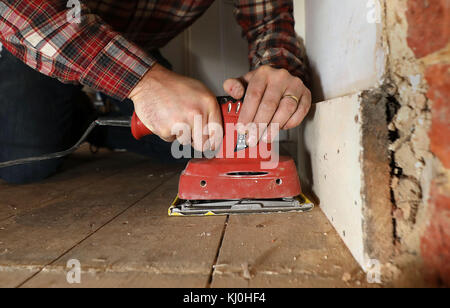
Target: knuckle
x=293, y=125
x=194, y=112
x=255, y=94
x=281, y=76
x=299, y=82
x=308, y=104
x=308, y=93
x=284, y=72
x=308, y=99
x=290, y=106
x=210, y=101
x=270, y=105
x=165, y=133
x=192, y=116
x=288, y=126
x=264, y=68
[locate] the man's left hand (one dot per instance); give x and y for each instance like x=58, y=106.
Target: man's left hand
x=271, y=96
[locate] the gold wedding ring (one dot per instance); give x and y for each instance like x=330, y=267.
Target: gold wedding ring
x=295, y=98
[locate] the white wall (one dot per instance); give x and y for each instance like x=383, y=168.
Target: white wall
x=300, y=18
x=344, y=46
x=212, y=50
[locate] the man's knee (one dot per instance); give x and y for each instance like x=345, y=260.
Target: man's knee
x=31, y=172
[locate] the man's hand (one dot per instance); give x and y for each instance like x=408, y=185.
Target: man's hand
x=270, y=97
x=163, y=98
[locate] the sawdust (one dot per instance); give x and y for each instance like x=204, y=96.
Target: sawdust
x=346, y=277
x=246, y=271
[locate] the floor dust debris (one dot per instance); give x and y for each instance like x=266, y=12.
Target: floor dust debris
x=246, y=271
x=346, y=277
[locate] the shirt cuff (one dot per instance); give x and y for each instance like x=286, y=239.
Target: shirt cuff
x=117, y=68
x=283, y=58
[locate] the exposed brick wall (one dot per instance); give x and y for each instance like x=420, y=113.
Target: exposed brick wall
x=429, y=37
x=438, y=78
x=436, y=240
x=429, y=28
x=435, y=243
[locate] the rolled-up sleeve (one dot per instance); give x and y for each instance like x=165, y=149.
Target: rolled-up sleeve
x=41, y=34
x=268, y=26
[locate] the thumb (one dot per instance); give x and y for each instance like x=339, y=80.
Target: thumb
x=234, y=87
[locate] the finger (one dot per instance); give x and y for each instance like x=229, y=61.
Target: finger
x=302, y=111
x=234, y=87
x=215, y=128
x=197, y=131
x=184, y=139
x=169, y=139
x=247, y=77
x=288, y=106
x=182, y=131
x=255, y=92
x=165, y=134
x=268, y=107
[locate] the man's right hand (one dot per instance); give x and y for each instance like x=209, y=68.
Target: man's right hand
x=163, y=98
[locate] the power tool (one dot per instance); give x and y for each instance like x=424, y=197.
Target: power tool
x=246, y=182
x=242, y=183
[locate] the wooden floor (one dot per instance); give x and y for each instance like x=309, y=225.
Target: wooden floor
x=109, y=211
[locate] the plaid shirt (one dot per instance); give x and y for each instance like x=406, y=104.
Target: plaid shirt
x=110, y=49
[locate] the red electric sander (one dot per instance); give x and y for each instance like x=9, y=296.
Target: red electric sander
x=247, y=182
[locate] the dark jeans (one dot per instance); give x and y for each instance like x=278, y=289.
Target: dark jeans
x=40, y=115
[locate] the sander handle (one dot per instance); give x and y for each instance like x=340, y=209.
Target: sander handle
x=139, y=130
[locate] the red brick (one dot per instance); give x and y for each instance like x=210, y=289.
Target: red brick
x=429, y=25
x=435, y=242
x=438, y=78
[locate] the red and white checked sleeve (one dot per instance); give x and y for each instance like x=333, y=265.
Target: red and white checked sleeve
x=43, y=34
x=268, y=26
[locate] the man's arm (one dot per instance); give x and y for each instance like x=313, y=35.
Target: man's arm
x=268, y=26
x=39, y=33
x=275, y=89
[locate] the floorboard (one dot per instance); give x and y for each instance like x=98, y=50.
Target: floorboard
x=81, y=169
x=284, y=250
x=145, y=243
x=110, y=212
x=40, y=235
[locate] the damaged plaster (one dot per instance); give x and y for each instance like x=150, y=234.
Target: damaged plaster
x=413, y=164
x=410, y=126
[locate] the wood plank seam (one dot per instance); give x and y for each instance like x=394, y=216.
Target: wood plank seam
x=95, y=231
x=219, y=248
x=63, y=193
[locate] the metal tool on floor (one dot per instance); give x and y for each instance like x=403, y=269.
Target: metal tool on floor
x=238, y=185
x=219, y=186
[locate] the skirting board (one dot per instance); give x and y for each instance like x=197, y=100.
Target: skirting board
x=344, y=164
